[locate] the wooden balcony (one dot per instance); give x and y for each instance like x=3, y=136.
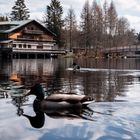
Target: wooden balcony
x=36, y=51
x=37, y=32
x=34, y=40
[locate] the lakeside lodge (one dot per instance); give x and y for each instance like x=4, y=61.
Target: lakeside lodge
x=27, y=39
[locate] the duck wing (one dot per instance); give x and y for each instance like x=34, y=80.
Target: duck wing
x=72, y=98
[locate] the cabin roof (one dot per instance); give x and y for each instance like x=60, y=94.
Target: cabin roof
x=13, y=25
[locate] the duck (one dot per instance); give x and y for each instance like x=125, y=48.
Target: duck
x=70, y=106
x=76, y=67
x=58, y=101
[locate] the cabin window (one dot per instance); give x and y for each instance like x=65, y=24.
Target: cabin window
x=32, y=28
x=14, y=45
x=20, y=45
x=1, y=46
x=24, y=46
x=39, y=47
x=40, y=38
x=137, y=52
x=29, y=46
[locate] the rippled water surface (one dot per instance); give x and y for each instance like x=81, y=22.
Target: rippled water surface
x=114, y=85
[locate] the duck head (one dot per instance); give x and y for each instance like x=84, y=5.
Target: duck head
x=38, y=91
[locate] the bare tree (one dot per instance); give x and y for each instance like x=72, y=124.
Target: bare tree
x=112, y=21
x=97, y=25
x=122, y=27
x=86, y=25
x=3, y=18
x=105, y=24
x=70, y=28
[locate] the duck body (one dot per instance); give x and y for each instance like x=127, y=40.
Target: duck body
x=62, y=107
x=58, y=101
x=70, y=98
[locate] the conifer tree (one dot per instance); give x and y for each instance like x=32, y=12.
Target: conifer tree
x=19, y=11
x=53, y=19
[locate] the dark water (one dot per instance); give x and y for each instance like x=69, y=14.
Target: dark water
x=114, y=84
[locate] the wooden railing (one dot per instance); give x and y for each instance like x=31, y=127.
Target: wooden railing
x=32, y=31
x=51, y=51
x=34, y=40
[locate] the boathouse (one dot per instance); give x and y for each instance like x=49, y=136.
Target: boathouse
x=27, y=38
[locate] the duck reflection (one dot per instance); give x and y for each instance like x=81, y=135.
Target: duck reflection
x=55, y=106
x=38, y=120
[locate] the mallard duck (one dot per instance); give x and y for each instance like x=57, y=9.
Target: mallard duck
x=58, y=101
x=57, y=106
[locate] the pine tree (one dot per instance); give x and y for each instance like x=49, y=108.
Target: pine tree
x=19, y=11
x=53, y=19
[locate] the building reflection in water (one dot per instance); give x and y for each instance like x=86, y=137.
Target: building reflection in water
x=32, y=69
x=53, y=74
x=33, y=66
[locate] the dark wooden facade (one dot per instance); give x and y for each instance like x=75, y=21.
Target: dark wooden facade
x=25, y=37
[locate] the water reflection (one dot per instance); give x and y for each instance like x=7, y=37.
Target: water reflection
x=117, y=92
x=38, y=120
x=28, y=70
x=103, y=84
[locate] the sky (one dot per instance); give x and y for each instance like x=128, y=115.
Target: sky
x=126, y=8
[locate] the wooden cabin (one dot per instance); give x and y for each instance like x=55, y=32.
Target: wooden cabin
x=25, y=38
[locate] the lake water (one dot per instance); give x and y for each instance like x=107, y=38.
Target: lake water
x=114, y=84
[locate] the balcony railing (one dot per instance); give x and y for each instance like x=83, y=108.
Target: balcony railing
x=34, y=40
x=52, y=51
x=32, y=32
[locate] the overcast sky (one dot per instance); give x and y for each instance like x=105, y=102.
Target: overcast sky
x=126, y=8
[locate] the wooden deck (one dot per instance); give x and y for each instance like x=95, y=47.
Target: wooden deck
x=38, y=51
x=10, y=53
